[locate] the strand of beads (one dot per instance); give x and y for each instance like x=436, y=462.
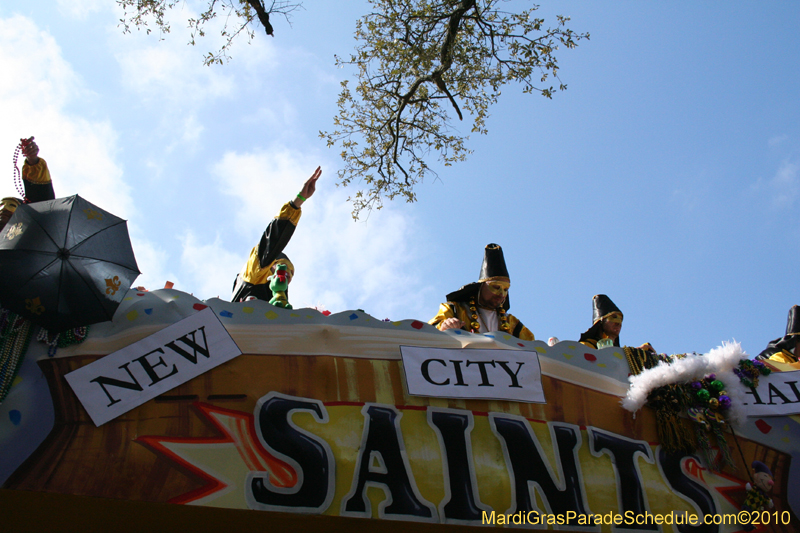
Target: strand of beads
x=18, y=175
x=473, y=315
x=710, y=393
x=749, y=371
x=504, y=325
x=13, y=346
x=10, y=323
x=62, y=339
x=475, y=326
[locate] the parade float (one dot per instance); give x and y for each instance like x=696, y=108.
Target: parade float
x=210, y=414
x=174, y=414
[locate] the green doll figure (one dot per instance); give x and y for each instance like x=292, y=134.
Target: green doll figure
x=278, y=284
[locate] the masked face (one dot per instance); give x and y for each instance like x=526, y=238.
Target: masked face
x=493, y=294
x=612, y=325
x=7, y=208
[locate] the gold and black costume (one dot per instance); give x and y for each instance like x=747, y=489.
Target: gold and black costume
x=252, y=280
x=38, y=184
x=602, y=307
x=461, y=311
x=461, y=304
x=38, y=188
x=782, y=349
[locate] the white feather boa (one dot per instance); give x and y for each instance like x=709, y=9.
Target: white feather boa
x=720, y=361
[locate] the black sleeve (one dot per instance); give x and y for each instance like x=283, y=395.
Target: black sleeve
x=39, y=192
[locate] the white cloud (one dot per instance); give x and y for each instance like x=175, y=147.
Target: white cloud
x=783, y=188
x=36, y=75
x=785, y=185
x=80, y=9
x=777, y=140
x=169, y=71
x=166, y=73
x=211, y=267
x=192, y=129
x=152, y=262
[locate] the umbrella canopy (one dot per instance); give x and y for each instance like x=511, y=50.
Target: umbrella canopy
x=65, y=263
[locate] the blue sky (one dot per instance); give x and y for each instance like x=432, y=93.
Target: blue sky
x=667, y=175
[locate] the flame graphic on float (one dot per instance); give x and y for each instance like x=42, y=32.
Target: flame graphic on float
x=222, y=463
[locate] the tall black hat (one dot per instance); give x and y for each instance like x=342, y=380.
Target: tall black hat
x=492, y=269
x=602, y=306
x=494, y=265
x=787, y=342
x=793, y=322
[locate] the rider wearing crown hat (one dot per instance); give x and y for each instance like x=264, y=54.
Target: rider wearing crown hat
x=481, y=307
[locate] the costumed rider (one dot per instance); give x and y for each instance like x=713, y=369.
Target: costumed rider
x=481, y=307
x=785, y=349
x=606, y=324
x=35, y=178
x=254, y=279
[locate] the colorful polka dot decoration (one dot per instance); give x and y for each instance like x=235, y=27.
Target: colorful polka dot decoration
x=15, y=416
x=353, y=316
x=248, y=310
x=762, y=426
x=226, y=314
x=271, y=315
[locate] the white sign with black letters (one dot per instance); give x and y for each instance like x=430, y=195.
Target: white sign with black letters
x=129, y=377
x=479, y=374
x=777, y=394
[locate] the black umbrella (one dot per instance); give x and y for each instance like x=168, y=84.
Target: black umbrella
x=65, y=263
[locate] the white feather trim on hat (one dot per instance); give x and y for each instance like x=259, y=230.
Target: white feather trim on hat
x=693, y=367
